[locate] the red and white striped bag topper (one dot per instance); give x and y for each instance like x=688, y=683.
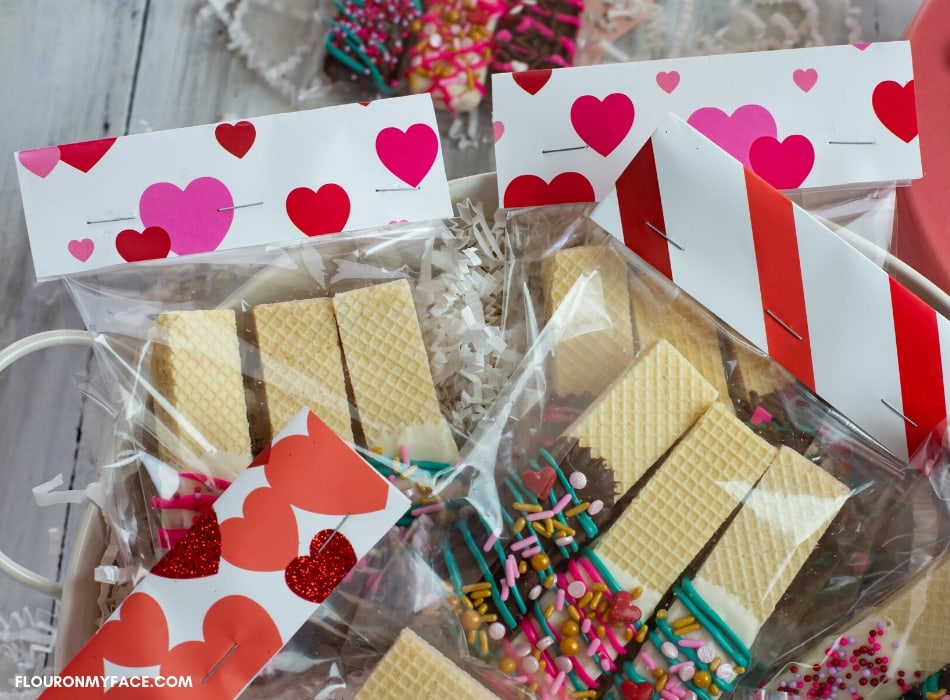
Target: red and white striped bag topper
x=840, y=324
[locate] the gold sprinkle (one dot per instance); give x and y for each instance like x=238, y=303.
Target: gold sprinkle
x=376, y=450
x=472, y=635
x=548, y=527
x=548, y=611
x=549, y=582
x=583, y=694
x=488, y=619
x=599, y=587
x=476, y=596
x=542, y=665
x=714, y=664
x=582, y=603
x=932, y=695
x=522, y=567
x=482, y=609
x=603, y=607
x=741, y=669
x=661, y=615
x=574, y=614
x=566, y=531
x=409, y=472
x=628, y=633
x=636, y=592
x=536, y=654
x=533, y=686
x=642, y=634
x=714, y=690
x=658, y=673
x=539, y=528
x=686, y=630
x=483, y=642
x=601, y=631
x=576, y=510
x=683, y=622
x=480, y=586
x=526, y=507
x=467, y=603
x=661, y=684
x=519, y=525
x=596, y=600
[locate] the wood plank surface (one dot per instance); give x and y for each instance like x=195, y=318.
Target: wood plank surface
x=82, y=69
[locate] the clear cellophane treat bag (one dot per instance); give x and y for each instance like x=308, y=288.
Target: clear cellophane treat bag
x=653, y=507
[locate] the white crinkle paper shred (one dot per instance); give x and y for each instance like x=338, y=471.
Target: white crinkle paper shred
x=461, y=293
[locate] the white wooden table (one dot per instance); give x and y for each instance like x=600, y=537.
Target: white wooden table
x=73, y=70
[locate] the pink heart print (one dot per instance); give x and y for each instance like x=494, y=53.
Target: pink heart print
x=196, y=218
x=81, y=249
x=783, y=164
x=734, y=133
x=805, y=78
x=498, y=130
x=409, y=154
x=603, y=124
x=668, y=80
x=39, y=161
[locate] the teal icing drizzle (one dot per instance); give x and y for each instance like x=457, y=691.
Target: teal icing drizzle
x=602, y=570
x=724, y=636
x=931, y=685
x=664, y=627
x=454, y=574
x=560, y=516
x=500, y=605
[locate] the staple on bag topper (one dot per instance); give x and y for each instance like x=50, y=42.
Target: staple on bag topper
x=267, y=180
x=840, y=324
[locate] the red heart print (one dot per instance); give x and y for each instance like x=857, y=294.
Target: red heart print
x=532, y=191
x=409, y=154
x=81, y=249
x=636, y=691
x=540, y=482
x=265, y=538
x=331, y=558
x=351, y=487
x=531, y=81
x=151, y=244
x=805, y=78
x=623, y=609
x=240, y=637
x=895, y=105
x=39, y=161
x=237, y=138
x=783, y=164
x=196, y=554
x=85, y=154
x=315, y=213
x=603, y=124
x=668, y=80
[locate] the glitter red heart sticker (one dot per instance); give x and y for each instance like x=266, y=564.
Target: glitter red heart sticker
x=331, y=557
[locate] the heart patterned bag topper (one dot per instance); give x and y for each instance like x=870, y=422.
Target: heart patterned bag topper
x=248, y=573
x=217, y=187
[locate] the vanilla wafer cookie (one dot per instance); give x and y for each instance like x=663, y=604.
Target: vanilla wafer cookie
x=756, y=372
x=301, y=363
x=685, y=328
x=742, y=579
x=702, y=480
x=196, y=370
x=389, y=371
x=904, y=640
x=644, y=413
x=597, y=341
x=413, y=668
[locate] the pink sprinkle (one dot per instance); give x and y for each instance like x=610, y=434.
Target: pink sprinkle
x=545, y=642
x=676, y=667
x=404, y=454
x=563, y=664
x=392, y=478
x=595, y=646
x=691, y=643
x=647, y=660
x=541, y=515
x=528, y=553
x=577, y=589
x=562, y=504
x=526, y=542
x=667, y=695
x=760, y=416
x=428, y=509
x=559, y=601
x=511, y=570
x=490, y=542
x=586, y=625
x=521, y=679
x=505, y=590
x=563, y=541
x=558, y=682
